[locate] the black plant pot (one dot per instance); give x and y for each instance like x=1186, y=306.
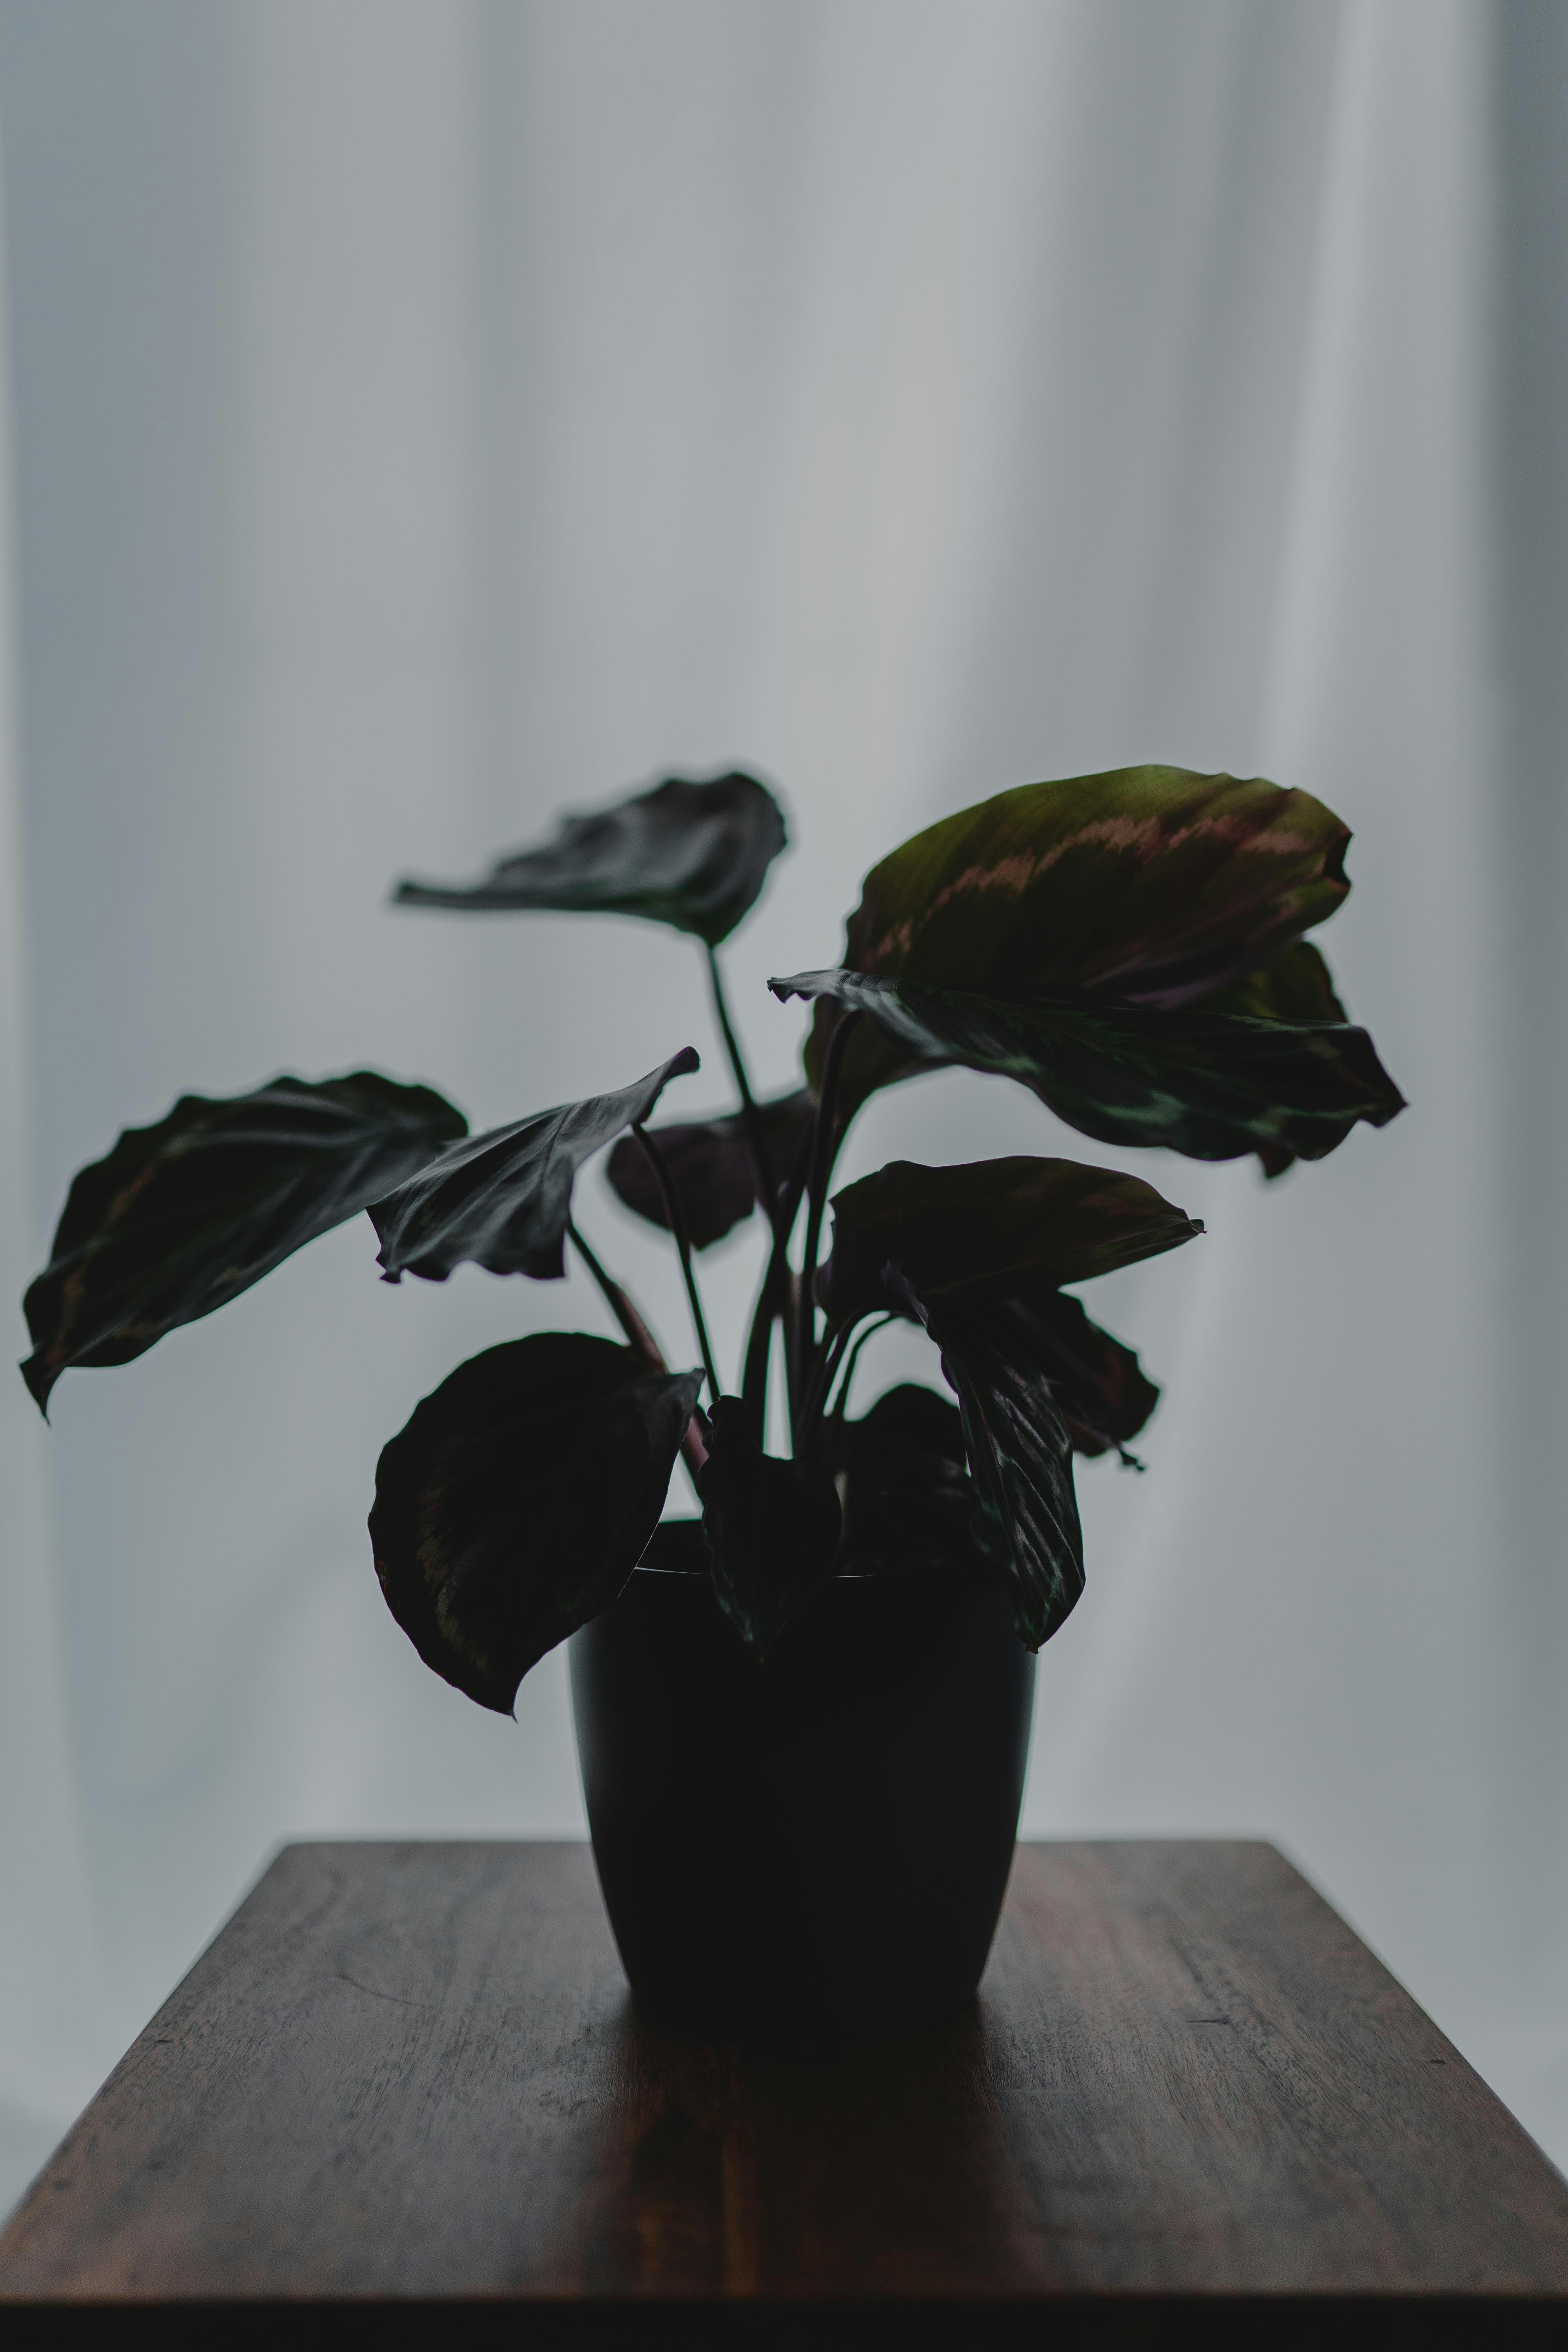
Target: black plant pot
x=819, y=1845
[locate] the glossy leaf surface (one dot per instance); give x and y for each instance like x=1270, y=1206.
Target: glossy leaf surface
x=1213, y=1085
x=502, y=1199
x=989, y=1228
x=771, y=1529
x=184, y=1215
x=1019, y=1451
x=518, y=1500
x=710, y=1164
x=692, y=854
x=1151, y=885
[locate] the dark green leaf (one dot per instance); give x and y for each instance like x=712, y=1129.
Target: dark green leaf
x=502, y=1199
x=908, y=1501
x=1149, y=885
x=710, y=1164
x=1293, y=985
x=692, y=855
x=519, y=1499
x=183, y=1216
x=1103, y=1391
x=1211, y=1085
x=991, y=1228
x=1020, y=1458
x=771, y=1529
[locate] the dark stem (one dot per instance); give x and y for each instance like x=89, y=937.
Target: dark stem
x=821, y=1382
x=750, y=1117
x=624, y=1310
x=822, y=1147
x=773, y=1302
x=852, y=1360
x=672, y=1210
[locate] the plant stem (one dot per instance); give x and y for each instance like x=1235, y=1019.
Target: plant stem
x=624, y=1310
x=752, y=1117
x=672, y=1210
x=853, y=1358
x=773, y=1305
x=821, y=1382
x=822, y=1147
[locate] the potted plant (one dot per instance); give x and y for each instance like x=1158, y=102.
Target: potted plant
x=803, y=1720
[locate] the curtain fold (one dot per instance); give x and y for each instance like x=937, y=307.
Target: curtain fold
x=428, y=413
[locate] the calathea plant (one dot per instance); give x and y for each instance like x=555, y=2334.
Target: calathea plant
x=1131, y=947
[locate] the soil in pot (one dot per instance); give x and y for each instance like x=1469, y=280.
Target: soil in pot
x=818, y=1843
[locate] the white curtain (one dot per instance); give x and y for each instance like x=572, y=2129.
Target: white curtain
x=427, y=414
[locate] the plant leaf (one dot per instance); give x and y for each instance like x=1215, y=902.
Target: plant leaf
x=518, y=1500
x=1101, y=1388
x=908, y=1501
x=692, y=855
x=1151, y=885
x=771, y=1529
x=1211, y=1085
x=502, y=1199
x=1020, y=1458
x=1293, y=985
x=991, y=1228
x=710, y=1164
x=184, y=1215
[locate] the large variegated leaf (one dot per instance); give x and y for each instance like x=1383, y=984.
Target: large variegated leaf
x=710, y=1164
x=692, y=855
x=502, y=1199
x=1020, y=1457
x=518, y=1500
x=184, y=1215
x=771, y=1527
x=1213, y=1085
x=991, y=1229
x=1151, y=885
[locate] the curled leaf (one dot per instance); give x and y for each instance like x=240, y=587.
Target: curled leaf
x=771, y=1529
x=692, y=854
x=1211, y=1085
x=502, y=1199
x=710, y=1164
x=518, y=1500
x=991, y=1228
x=184, y=1215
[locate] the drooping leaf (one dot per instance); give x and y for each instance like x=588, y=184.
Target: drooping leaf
x=1103, y=1393
x=502, y=1199
x=991, y=1229
x=771, y=1529
x=692, y=855
x=908, y=1500
x=1020, y=1457
x=710, y=1164
x=1213, y=1085
x=184, y=1215
x=518, y=1500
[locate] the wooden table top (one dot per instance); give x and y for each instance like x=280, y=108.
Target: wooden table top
x=413, y=2069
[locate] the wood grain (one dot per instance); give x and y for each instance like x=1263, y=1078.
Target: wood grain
x=413, y=2070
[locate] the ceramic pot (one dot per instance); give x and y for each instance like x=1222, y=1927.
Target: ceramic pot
x=816, y=1844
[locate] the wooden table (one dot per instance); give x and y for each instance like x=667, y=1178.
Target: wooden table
x=414, y=2071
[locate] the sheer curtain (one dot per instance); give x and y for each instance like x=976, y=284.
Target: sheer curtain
x=425, y=414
